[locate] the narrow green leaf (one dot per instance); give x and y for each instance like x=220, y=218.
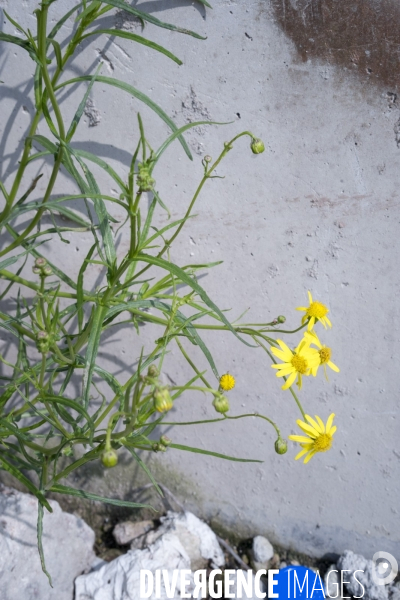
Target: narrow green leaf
x=137, y=94
x=16, y=25
x=12, y=39
x=64, y=489
x=61, y=22
x=91, y=351
x=103, y=165
x=150, y=19
x=179, y=132
x=145, y=469
x=13, y=259
x=216, y=454
x=71, y=404
x=57, y=52
x=161, y=231
x=135, y=38
x=185, y=278
x=79, y=287
x=39, y=541
x=81, y=107
x=7, y=466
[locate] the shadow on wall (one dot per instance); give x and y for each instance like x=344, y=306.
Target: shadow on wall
x=361, y=35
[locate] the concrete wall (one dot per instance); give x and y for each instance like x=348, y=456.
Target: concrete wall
x=319, y=211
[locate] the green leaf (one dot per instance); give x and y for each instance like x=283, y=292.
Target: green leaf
x=61, y=22
x=13, y=259
x=145, y=469
x=79, y=288
x=57, y=52
x=185, y=278
x=103, y=165
x=71, y=404
x=149, y=18
x=64, y=489
x=12, y=39
x=137, y=94
x=16, y=25
x=135, y=38
x=91, y=351
x=216, y=454
x=81, y=107
x=7, y=466
x=39, y=541
x=179, y=132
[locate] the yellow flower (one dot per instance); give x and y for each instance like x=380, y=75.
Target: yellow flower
x=227, y=382
x=324, y=354
x=319, y=436
x=297, y=363
x=315, y=312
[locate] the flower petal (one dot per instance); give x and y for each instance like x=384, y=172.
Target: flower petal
x=310, y=297
x=290, y=381
x=329, y=422
x=301, y=453
x=332, y=430
x=309, y=457
x=300, y=438
x=307, y=429
x=333, y=366
x=316, y=425
x=321, y=423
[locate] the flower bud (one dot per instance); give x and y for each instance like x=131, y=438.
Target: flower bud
x=162, y=399
x=155, y=447
x=207, y=158
x=144, y=179
x=37, y=270
x=257, y=146
x=47, y=271
x=109, y=458
x=221, y=403
x=162, y=448
x=280, y=446
x=40, y=262
x=42, y=341
x=281, y=319
x=165, y=440
x=152, y=371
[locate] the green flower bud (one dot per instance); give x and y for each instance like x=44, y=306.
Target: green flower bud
x=281, y=319
x=40, y=262
x=165, y=440
x=152, y=371
x=109, y=458
x=47, y=271
x=37, y=270
x=162, y=400
x=280, y=446
x=42, y=341
x=207, y=158
x=221, y=403
x=156, y=447
x=162, y=448
x=144, y=179
x=257, y=146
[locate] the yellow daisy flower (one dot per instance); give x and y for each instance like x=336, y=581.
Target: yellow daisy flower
x=227, y=382
x=297, y=363
x=319, y=436
x=324, y=354
x=315, y=312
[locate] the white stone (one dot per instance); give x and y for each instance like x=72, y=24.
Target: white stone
x=120, y=579
x=355, y=562
x=67, y=544
x=332, y=582
x=199, y=541
x=127, y=531
x=262, y=549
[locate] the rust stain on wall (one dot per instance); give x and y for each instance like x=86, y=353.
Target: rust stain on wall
x=361, y=35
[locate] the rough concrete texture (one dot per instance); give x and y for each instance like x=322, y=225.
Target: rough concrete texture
x=360, y=577
x=319, y=210
x=67, y=545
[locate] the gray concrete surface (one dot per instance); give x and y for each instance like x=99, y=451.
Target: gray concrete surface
x=319, y=210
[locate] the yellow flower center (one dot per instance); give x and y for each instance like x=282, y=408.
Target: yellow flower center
x=325, y=354
x=317, y=310
x=227, y=382
x=323, y=442
x=300, y=364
